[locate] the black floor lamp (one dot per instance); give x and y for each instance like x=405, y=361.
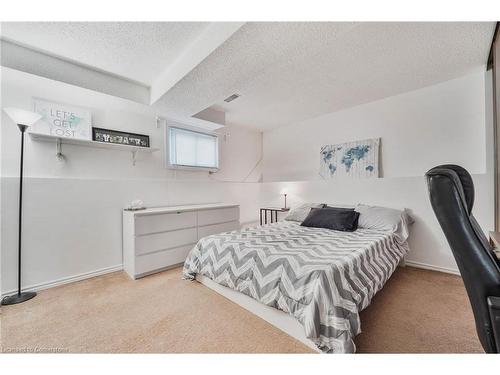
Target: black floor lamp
x=23, y=119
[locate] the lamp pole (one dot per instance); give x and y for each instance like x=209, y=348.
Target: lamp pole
x=22, y=128
x=20, y=296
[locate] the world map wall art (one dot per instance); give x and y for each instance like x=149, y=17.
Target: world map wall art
x=357, y=159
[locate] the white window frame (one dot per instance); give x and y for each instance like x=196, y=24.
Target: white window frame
x=175, y=125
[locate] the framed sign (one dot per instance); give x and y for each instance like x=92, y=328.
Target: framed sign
x=62, y=120
x=123, y=138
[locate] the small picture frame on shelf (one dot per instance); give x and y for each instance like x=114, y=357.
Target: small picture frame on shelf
x=119, y=137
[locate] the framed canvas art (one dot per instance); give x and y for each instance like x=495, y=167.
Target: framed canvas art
x=357, y=159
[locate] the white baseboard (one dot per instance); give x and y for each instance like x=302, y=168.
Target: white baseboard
x=425, y=266
x=119, y=267
x=67, y=280
x=249, y=223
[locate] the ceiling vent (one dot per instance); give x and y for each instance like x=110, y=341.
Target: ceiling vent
x=231, y=98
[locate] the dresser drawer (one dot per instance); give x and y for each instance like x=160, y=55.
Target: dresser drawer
x=166, y=240
x=148, y=263
x=164, y=222
x=207, y=230
x=219, y=215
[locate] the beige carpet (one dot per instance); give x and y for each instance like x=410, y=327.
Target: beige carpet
x=417, y=311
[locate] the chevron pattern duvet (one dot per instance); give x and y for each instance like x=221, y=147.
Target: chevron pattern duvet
x=322, y=277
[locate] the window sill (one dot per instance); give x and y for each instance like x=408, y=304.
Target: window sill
x=194, y=169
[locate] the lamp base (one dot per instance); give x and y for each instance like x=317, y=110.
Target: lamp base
x=18, y=298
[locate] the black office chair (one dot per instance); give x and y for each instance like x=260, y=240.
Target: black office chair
x=451, y=192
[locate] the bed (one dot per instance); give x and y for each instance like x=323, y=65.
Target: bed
x=318, y=278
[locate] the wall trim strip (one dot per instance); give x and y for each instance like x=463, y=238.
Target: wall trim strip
x=430, y=267
x=67, y=280
x=119, y=267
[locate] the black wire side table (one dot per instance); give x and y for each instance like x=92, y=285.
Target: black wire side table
x=272, y=213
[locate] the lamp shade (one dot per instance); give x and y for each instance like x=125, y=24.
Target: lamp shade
x=21, y=116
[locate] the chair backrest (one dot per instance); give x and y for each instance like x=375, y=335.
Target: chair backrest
x=451, y=192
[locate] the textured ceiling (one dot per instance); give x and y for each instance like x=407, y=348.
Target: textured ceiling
x=139, y=51
x=287, y=72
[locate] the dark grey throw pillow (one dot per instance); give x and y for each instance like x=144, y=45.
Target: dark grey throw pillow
x=335, y=218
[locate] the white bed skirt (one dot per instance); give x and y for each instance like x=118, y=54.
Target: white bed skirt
x=277, y=318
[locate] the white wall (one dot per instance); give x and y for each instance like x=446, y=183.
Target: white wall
x=427, y=242
x=72, y=210
x=447, y=123
x=244, y=146
x=419, y=129
x=72, y=222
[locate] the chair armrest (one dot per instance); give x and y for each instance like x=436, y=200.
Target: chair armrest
x=494, y=308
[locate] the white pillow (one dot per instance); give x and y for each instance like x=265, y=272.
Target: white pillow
x=386, y=219
x=300, y=213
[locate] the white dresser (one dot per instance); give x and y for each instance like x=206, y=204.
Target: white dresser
x=155, y=239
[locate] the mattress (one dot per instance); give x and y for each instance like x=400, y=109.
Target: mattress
x=322, y=277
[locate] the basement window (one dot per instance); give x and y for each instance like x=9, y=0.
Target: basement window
x=189, y=149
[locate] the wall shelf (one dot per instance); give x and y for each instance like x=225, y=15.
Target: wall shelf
x=89, y=143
